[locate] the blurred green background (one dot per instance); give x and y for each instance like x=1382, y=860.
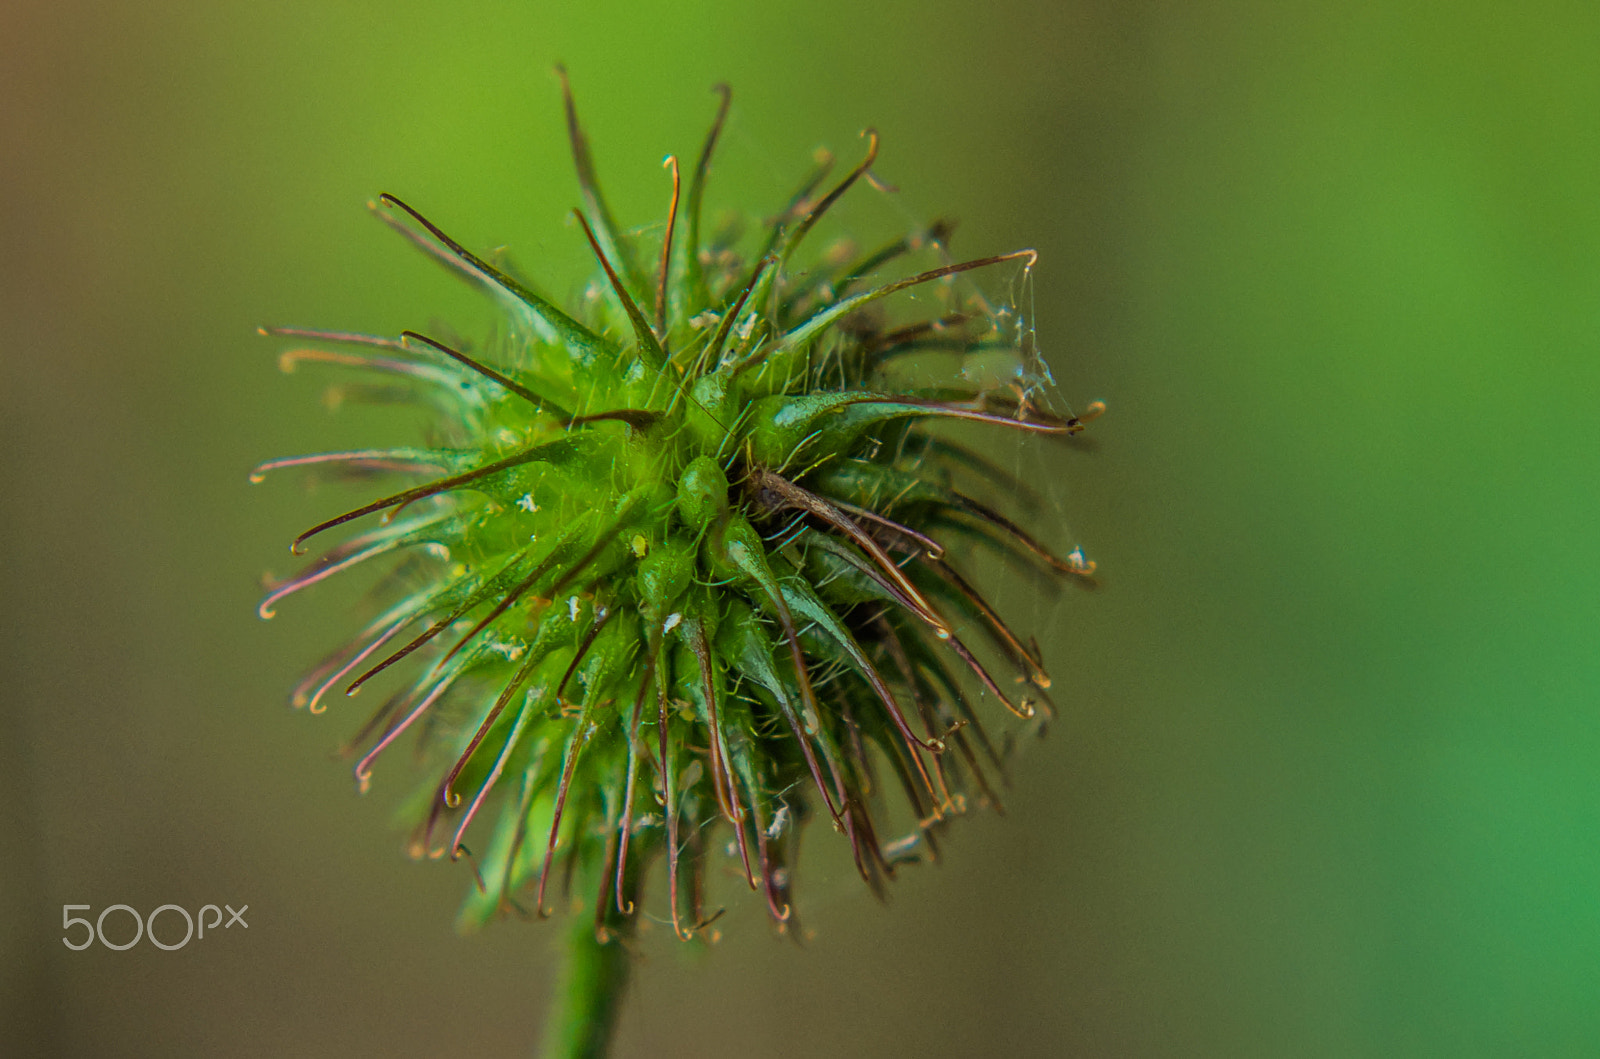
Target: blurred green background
x=1328, y=780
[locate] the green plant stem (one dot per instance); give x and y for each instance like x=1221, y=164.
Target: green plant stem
x=584, y=1014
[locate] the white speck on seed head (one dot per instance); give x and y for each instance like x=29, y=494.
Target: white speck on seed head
x=779, y=820
x=512, y=651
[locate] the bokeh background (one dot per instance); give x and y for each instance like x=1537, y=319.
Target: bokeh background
x=1328, y=779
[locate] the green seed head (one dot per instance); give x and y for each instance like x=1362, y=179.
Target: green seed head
x=672, y=576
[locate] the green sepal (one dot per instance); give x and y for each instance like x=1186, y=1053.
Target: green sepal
x=709, y=415
x=876, y=486
x=805, y=603
x=838, y=571
x=780, y=425
x=702, y=494
x=662, y=578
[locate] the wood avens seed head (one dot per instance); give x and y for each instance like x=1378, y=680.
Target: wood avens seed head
x=689, y=564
